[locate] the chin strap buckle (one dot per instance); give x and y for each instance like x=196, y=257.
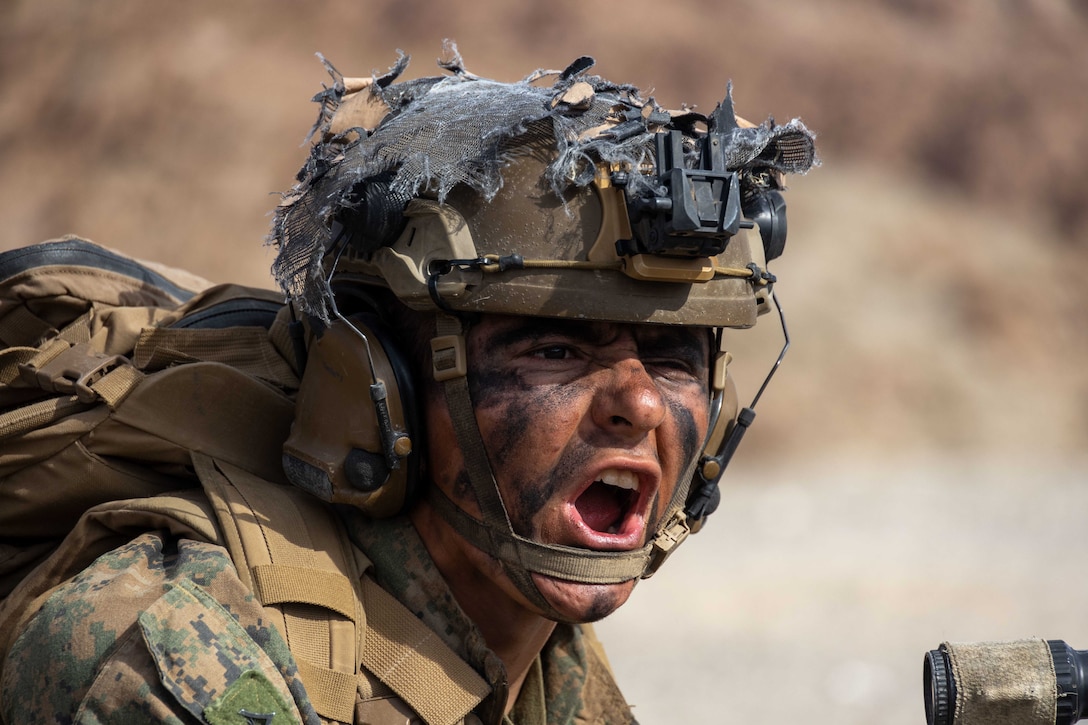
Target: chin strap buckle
x=666, y=542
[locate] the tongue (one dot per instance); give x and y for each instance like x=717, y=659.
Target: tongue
x=600, y=507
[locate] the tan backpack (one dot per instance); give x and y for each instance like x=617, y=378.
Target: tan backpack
x=163, y=402
x=112, y=373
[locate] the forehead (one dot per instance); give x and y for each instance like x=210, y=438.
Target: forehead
x=501, y=330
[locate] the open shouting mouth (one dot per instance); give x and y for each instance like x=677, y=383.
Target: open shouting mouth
x=611, y=504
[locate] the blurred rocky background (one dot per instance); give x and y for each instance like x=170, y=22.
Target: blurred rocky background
x=916, y=471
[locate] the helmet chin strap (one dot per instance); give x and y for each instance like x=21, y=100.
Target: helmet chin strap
x=494, y=534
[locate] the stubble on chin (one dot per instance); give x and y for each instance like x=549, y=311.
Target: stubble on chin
x=579, y=603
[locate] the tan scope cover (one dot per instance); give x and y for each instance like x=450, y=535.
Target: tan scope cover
x=1003, y=683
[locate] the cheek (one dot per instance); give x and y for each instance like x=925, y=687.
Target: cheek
x=517, y=419
x=532, y=494
x=690, y=415
x=527, y=429
x=503, y=424
x=691, y=422
x=444, y=463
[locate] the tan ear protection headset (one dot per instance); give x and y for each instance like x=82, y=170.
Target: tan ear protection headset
x=356, y=438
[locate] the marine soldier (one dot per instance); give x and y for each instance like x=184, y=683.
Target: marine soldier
x=509, y=305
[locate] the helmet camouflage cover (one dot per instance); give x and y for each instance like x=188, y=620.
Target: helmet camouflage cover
x=476, y=195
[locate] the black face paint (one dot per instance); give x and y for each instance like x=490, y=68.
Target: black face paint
x=517, y=409
x=688, y=436
x=521, y=407
x=532, y=496
x=519, y=404
x=493, y=388
x=489, y=386
x=462, y=486
x=687, y=428
x=603, y=604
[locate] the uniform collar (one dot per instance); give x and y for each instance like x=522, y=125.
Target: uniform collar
x=571, y=680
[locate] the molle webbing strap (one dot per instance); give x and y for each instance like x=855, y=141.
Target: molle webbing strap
x=246, y=348
x=332, y=692
x=78, y=370
x=35, y=415
x=72, y=362
x=411, y=659
x=276, y=584
x=291, y=551
x=11, y=358
x=12, y=327
x=114, y=386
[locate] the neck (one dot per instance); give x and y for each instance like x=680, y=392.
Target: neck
x=512, y=629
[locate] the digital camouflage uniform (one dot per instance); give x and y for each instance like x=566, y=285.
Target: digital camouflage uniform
x=162, y=629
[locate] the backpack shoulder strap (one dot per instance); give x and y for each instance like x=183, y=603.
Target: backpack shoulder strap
x=412, y=660
x=291, y=550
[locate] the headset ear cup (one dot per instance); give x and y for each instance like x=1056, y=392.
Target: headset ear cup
x=402, y=395
x=336, y=449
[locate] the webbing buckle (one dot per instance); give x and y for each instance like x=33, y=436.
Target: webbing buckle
x=448, y=357
x=72, y=372
x=666, y=542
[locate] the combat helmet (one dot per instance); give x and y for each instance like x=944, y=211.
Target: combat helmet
x=561, y=195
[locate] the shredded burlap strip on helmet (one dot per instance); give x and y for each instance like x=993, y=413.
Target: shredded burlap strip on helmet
x=463, y=130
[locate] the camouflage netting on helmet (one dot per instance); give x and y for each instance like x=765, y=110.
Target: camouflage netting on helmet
x=460, y=129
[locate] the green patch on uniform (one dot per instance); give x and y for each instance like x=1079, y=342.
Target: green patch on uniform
x=250, y=700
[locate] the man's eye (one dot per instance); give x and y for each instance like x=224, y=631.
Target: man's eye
x=673, y=365
x=553, y=352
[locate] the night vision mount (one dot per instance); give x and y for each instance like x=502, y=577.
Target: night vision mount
x=693, y=212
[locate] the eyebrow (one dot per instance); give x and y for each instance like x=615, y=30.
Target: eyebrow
x=689, y=342
x=543, y=327
x=656, y=338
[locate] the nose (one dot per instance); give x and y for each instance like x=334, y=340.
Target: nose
x=628, y=403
